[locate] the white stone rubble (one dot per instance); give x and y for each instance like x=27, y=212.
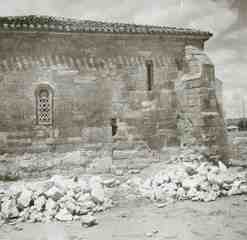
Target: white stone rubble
x=59, y=198
x=88, y=221
x=191, y=177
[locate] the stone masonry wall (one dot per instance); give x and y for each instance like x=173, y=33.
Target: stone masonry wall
x=97, y=77
x=201, y=111
x=238, y=146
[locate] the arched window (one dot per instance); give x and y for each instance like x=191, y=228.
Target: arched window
x=44, y=105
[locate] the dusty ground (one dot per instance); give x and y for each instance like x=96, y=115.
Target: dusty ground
x=225, y=219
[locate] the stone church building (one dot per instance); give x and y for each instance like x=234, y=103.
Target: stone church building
x=107, y=89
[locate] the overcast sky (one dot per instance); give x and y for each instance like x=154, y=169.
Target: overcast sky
x=227, y=19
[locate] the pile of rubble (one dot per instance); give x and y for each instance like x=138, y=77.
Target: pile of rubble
x=59, y=198
x=189, y=176
x=194, y=178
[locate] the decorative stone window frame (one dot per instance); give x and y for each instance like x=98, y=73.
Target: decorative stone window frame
x=50, y=105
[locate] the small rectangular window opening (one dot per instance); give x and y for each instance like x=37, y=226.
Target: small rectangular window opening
x=114, y=126
x=149, y=67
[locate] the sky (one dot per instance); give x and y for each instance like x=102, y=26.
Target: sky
x=226, y=19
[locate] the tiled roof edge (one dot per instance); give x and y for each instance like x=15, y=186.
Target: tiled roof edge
x=58, y=24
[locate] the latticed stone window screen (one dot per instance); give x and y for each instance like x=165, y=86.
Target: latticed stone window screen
x=44, y=107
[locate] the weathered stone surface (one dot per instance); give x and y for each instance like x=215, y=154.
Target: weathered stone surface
x=192, y=182
x=109, y=182
x=97, y=189
x=88, y=221
x=24, y=199
x=54, y=193
x=9, y=209
x=92, y=89
x=64, y=215
x=35, y=216
x=207, y=183
x=50, y=205
x=222, y=167
x=39, y=203
x=72, y=207
x=79, y=197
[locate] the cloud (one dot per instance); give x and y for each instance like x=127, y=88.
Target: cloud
x=167, y=12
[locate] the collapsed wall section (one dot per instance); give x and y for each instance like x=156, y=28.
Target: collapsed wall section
x=200, y=115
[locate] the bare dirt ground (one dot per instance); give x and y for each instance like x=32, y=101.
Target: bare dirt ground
x=225, y=219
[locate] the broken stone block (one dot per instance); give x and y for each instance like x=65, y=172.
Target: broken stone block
x=203, y=169
x=134, y=181
x=210, y=196
x=159, y=194
x=50, y=205
x=109, y=182
x=147, y=183
x=243, y=188
x=9, y=209
x=192, y=192
x=190, y=170
x=35, y=216
x=71, y=206
x=24, y=199
x=84, y=187
x=64, y=215
x=24, y=215
x=40, y=187
x=222, y=167
x=18, y=228
x=87, y=205
x=88, y=221
x=134, y=171
x=178, y=175
x=228, y=177
x=97, y=192
x=205, y=186
x=214, y=169
x=181, y=194
x=16, y=189
x=217, y=179
x=160, y=178
x=84, y=197
x=118, y=172
x=170, y=189
x=192, y=182
x=70, y=193
x=54, y=193
x=161, y=205
x=60, y=182
x=108, y=204
x=149, y=234
x=39, y=203
x=147, y=192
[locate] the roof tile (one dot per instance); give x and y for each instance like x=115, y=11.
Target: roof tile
x=47, y=23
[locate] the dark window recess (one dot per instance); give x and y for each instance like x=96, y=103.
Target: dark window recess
x=149, y=67
x=179, y=63
x=242, y=125
x=114, y=126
